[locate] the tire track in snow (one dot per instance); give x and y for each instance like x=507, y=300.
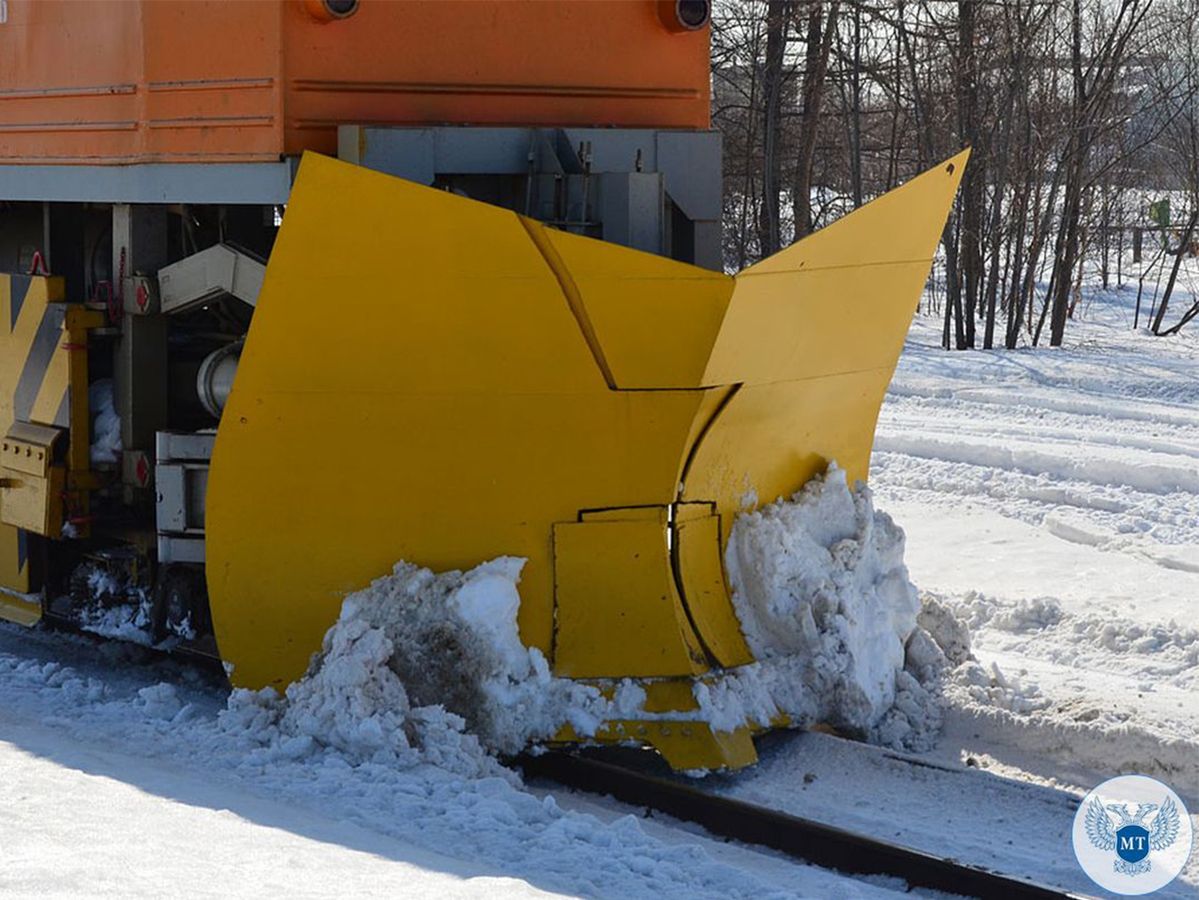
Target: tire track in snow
x=1152, y=473
x=968, y=421
x=1100, y=470
x=1083, y=404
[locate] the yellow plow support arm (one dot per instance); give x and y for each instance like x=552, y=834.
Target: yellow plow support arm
x=437, y=380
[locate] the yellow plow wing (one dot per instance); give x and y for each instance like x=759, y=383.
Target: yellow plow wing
x=437, y=380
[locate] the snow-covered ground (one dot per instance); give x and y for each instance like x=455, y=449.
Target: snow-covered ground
x=1051, y=502
x=127, y=777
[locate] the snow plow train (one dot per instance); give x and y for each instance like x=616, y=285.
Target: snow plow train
x=278, y=330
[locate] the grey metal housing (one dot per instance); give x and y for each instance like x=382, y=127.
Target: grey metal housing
x=181, y=479
x=653, y=190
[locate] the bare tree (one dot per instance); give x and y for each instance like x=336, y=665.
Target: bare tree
x=1179, y=87
x=1069, y=107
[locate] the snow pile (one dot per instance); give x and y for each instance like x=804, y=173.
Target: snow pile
x=972, y=684
x=951, y=634
x=106, y=423
x=824, y=553
x=1022, y=617
x=1081, y=729
x=1162, y=654
x=419, y=662
x=161, y=701
x=424, y=667
x=827, y=609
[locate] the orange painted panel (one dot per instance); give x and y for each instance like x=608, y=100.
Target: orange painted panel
x=122, y=81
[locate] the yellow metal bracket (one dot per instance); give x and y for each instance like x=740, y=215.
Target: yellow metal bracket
x=685, y=744
x=31, y=495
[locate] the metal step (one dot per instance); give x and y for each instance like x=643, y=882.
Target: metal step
x=24, y=609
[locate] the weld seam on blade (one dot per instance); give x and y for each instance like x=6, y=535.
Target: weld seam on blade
x=730, y=392
x=570, y=291
x=798, y=270
x=676, y=567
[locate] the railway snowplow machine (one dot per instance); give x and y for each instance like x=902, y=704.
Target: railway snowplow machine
x=239, y=383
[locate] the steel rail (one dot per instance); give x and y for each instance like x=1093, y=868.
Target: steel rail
x=806, y=840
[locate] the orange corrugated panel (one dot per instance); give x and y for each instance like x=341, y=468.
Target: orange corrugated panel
x=109, y=81
x=122, y=81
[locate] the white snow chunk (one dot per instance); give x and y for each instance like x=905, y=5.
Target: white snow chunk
x=951, y=634
x=106, y=424
x=160, y=701
x=827, y=609
x=417, y=650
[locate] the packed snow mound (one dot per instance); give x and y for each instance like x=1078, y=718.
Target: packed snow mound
x=823, y=552
x=945, y=629
x=419, y=661
x=1078, y=728
x=827, y=609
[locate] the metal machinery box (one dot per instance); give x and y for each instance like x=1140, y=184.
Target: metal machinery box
x=32, y=484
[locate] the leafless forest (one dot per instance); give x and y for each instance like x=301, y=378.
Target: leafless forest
x=1083, y=116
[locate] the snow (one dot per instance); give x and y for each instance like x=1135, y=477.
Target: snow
x=415, y=639
x=826, y=555
x=819, y=587
x=1051, y=509
x=827, y=609
x=157, y=831
x=106, y=740
x=106, y=423
x=1051, y=504
x=119, y=607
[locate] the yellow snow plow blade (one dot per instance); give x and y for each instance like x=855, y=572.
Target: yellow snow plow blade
x=436, y=380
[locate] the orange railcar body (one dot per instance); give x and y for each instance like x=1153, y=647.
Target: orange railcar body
x=136, y=81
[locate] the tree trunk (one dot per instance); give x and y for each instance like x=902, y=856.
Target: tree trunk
x=1187, y=234
x=778, y=14
x=973, y=181
x=820, y=42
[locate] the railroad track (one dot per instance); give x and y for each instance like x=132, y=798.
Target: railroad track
x=803, y=839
